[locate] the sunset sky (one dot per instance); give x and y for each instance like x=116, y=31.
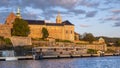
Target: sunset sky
x=99, y=17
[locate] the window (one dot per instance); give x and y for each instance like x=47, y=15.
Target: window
x=66, y=31
x=71, y=31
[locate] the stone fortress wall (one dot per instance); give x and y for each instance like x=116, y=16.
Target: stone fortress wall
x=5, y=31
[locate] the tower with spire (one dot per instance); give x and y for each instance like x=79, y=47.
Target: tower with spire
x=59, y=18
x=18, y=13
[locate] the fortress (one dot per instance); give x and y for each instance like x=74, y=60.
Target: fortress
x=63, y=30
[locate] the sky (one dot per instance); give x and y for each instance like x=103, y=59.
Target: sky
x=99, y=17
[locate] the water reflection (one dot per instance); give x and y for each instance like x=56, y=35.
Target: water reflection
x=96, y=62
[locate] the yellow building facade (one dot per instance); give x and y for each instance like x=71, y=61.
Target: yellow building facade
x=63, y=30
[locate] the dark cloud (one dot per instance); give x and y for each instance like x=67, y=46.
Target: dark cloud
x=47, y=7
x=88, y=3
x=43, y=4
x=117, y=24
x=91, y=14
x=77, y=11
x=112, y=18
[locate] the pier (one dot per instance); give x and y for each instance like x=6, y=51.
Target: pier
x=64, y=52
x=56, y=53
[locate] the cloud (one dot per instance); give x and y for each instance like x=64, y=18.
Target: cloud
x=91, y=14
x=77, y=11
x=47, y=6
x=9, y=3
x=112, y=1
x=117, y=24
x=107, y=8
x=3, y=17
x=115, y=19
x=116, y=11
x=88, y=3
x=84, y=25
x=43, y=4
x=112, y=18
x=48, y=14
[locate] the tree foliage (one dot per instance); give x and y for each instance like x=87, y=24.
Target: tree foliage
x=45, y=33
x=5, y=43
x=20, y=28
x=118, y=43
x=89, y=37
x=91, y=51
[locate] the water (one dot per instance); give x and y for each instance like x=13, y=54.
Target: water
x=96, y=62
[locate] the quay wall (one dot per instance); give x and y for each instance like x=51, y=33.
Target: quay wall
x=113, y=48
x=65, y=44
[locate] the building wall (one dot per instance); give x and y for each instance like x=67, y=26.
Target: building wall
x=97, y=47
x=77, y=36
x=57, y=32
x=69, y=32
x=5, y=31
x=64, y=32
x=36, y=31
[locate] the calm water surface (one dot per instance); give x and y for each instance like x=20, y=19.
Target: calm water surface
x=96, y=62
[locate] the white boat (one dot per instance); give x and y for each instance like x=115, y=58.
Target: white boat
x=11, y=58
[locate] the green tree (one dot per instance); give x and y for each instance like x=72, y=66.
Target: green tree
x=45, y=33
x=20, y=28
x=89, y=37
x=118, y=43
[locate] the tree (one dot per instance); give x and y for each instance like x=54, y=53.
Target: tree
x=5, y=44
x=45, y=33
x=118, y=43
x=20, y=28
x=89, y=37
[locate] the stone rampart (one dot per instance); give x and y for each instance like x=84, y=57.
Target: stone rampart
x=21, y=41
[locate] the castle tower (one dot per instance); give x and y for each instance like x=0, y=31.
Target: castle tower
x=18, y=13
x=58, y=18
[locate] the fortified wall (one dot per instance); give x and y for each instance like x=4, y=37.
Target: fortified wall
x=5, y=31
x=21, y=41
x=102, y=47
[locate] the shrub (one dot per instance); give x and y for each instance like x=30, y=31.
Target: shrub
x=58, y=40
x=110, y=51
x=91, y=51
x=8, y=41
